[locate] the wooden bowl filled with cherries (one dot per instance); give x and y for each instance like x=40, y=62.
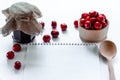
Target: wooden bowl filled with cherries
x=93, y=27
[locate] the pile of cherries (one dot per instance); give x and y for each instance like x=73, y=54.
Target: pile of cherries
x=93, y=21
x=11, y=54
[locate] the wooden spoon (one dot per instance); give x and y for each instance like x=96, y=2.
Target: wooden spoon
x=108, y=50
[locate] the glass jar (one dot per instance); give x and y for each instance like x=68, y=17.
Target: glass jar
x=21, y=37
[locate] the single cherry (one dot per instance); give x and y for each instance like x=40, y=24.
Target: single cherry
x=87, y=18
x=63, y=26
x=93, y=13
x=46, y=38
x=82, y=21
x=54, y=24
x=16, y=47
x=10, y=55
x=84, y=15
x=87, y=24
x=17, y=65
x=101, y=18
x=54, y=33
x=97, y=25
x=103, y=15
x=93, y=20
x=76, y=23
x=104, y=24
x=43, y=24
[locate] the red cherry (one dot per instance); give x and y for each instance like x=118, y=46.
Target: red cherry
x=43, y=24
x=104, y=24
x=98, y=25
x=63, y=26
x=10, y=55
x=93, y=13
x=46, y=38
x=87, y=24
x=103, y=15
x=76, y=23
x=82, y=21
x=16, y=47
x=87, y=18
x=54, y=24
x=92, y=20
x=17, y=65
x=54, y=33
x=101, y=18
x=84, y=15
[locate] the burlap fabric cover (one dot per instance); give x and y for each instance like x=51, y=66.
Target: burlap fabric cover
x=22, y=16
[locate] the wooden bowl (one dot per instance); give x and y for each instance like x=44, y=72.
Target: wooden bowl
x=93, y=35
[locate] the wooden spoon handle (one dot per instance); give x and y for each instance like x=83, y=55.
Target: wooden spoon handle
x=111, y=70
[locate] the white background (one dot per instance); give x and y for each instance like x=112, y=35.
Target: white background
x=67, y=11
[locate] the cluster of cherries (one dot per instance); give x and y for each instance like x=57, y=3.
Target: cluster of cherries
x=54, y=32
x=93, y=21
x=11, y=54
